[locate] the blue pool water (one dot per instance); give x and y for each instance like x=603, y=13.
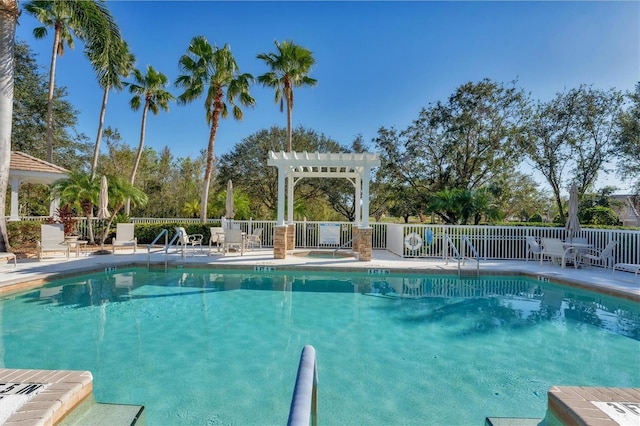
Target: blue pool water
x=203, y=347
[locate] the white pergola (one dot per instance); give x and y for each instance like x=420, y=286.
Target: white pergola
x=25, y=168
x=294, y=166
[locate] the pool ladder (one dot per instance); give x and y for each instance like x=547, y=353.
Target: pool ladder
x=465, y=245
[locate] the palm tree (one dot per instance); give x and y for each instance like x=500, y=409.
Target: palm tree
x=120, y=191
x=88, y=20
x=290, y=67
x=215, y=69
x=111, y=60
x=9, y=13
x=81, y=191
x=149, y=89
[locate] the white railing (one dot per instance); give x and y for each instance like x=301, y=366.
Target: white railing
x=491, y=242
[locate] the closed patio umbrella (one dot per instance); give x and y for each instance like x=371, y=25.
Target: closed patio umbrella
x=573, y=224
x=229, y=202
x=103, y=211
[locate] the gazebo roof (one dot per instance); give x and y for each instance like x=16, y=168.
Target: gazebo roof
x=30, y=169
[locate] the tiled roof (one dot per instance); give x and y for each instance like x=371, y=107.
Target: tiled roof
x=25, y=162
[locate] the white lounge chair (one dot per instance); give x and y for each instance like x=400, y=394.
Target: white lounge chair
x=52, y=240
x=255, y=238
x=605, y=256
x=234, y=238
x=185, y=240
x=553, y=248
x=217, y=237
x=124, y=237
x=628, y=267
x=9, y=256
x=533, y=248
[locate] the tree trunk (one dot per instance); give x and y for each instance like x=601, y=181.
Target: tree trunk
x=96, y=150
x=215, y=120
x=132, y=179
x=52, y=78
x=8, y=18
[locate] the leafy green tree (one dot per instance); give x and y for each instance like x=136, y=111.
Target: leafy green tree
x=289, y=67
x=149, y=92
x=9, y=13
x=215, y=70
x=111, y=61
x=574, y=130
x=29, y=115
x=627, y=144
x=88, y=20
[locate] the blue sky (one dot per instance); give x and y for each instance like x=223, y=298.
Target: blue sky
x=377, y=63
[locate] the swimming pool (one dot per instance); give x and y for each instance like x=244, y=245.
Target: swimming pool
x=221, y=347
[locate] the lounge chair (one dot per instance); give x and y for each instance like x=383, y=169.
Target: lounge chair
x=124, y=237
x=553, y=248
x=628, y=267
x=217, y=237
x=255, y=239
x=533, y=248
x=52, y=240
x=9, y=256
x=604, y=256
x=185, y=240
x=234, y=238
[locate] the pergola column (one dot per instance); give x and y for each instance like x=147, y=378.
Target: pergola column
x=15, y=206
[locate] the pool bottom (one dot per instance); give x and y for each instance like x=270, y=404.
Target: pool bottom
x=195, y=352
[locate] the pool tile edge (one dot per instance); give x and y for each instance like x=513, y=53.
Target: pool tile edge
x=65, y=390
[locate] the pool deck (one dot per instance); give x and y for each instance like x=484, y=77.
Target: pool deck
x=31, y=273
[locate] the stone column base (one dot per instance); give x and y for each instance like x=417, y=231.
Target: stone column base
x=354, y=237
x=365, y=244
x=280, y=242
x=291, y=236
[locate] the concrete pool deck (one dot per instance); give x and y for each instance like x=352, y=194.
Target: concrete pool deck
x=31, y=273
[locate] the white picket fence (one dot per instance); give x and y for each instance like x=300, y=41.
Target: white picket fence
x=424, y=241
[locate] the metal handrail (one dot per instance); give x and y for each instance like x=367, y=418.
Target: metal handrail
x=468, y=244
x=304, y=403
x=346, y=244
x=167, y=244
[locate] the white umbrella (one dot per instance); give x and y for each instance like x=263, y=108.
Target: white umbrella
x=229, y=204
x=573, y=224
x=103, y=200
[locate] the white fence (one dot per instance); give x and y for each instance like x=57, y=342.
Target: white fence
x=423, y=241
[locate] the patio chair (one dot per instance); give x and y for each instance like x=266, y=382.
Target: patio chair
x=255, y=239
x=553, y=248
x=604, y=256
x=9, y=256
x=234, y=238
x=185, y=240
x=52, y=240
x=217, y=237
x=533, y=248
x=124, y=237
x=634, y=268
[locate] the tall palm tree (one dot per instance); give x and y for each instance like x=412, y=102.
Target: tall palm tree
x=111, y=60
x=148, y=90
x=81, y=191
x=9, y=13
x=215, y=70
x=87, y=20
x=290, y=67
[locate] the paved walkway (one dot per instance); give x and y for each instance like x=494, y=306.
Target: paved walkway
x=31, y=272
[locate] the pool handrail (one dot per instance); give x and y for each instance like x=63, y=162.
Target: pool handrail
x=167, y=244
x=304, y=403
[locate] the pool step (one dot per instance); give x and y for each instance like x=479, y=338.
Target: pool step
x=511, y=421
x=98, y=414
